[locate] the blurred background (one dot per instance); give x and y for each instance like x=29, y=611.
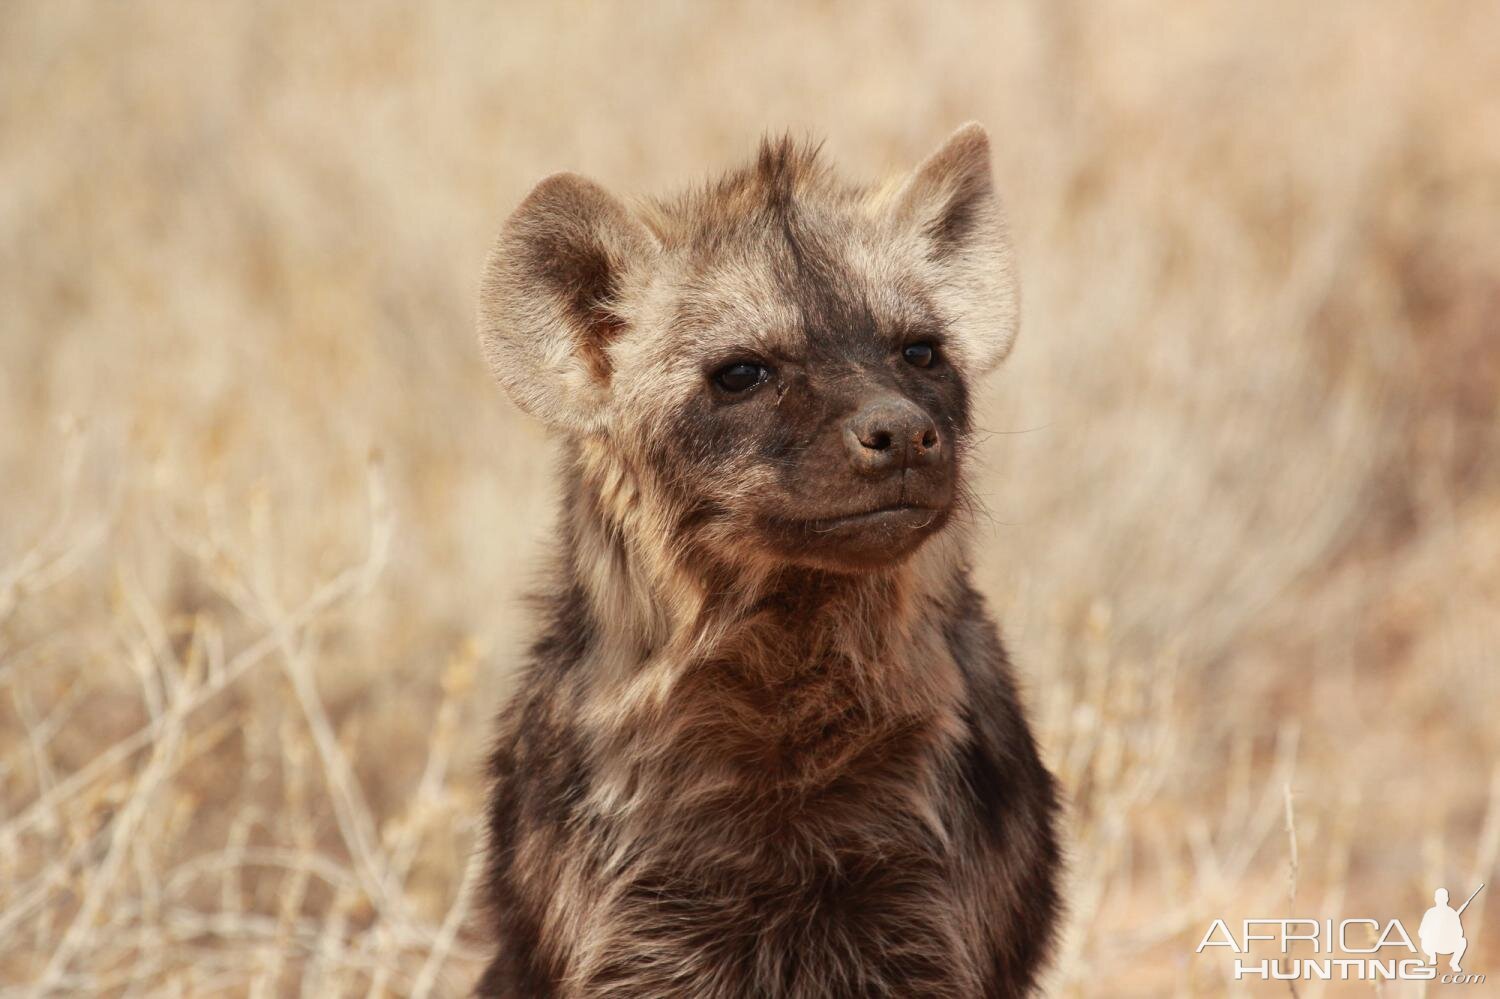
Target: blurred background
x=266, y=524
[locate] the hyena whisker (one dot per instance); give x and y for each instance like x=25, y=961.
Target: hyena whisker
x=988, y=433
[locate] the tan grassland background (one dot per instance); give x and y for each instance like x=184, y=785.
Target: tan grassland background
x=265, y=523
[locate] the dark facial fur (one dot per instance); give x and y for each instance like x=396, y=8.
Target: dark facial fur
x=769, y=744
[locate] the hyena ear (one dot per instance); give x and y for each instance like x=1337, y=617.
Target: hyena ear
x=549, y=301
x=949, y=201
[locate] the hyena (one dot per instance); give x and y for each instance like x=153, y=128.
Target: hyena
x=769, y=743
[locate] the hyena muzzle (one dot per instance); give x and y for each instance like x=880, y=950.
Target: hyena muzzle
x=769, y=743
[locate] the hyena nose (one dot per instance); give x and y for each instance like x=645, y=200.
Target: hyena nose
x=891, y=434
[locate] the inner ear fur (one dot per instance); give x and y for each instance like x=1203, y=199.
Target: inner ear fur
x=549, y=301
x=950, y=197
x=950, y=202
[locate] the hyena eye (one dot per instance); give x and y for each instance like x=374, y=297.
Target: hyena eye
x=740, y=377
x=919, y=354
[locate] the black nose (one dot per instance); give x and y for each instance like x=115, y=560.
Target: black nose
x=891, y=434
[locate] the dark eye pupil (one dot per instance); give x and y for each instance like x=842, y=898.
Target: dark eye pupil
x=739, y=377
x=919, y=354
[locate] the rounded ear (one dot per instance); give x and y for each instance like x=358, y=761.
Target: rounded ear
x=549, y=304
x=950, y=203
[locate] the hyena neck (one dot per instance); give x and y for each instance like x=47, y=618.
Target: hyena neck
x=658, y=604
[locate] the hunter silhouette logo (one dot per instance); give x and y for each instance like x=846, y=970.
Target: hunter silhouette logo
x=1350, y=949
x=1441, y=932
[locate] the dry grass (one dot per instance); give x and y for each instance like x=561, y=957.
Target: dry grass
x=264, y=520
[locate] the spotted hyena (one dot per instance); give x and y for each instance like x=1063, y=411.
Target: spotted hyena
x=769, y=743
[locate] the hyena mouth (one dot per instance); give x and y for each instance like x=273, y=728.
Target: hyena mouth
x=900, y=516
x=857, y=541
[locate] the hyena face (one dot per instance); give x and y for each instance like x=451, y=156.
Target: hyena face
x=770, y=371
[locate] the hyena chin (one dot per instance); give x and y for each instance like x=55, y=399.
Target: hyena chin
x=769, y=743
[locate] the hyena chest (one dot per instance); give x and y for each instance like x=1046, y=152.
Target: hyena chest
x=808, y=855
x=843, y=924
x=825, y=726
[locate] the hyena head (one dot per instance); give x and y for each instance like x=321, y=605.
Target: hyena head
x=769, y=372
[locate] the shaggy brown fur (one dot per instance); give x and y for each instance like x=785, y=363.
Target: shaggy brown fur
x=769, y=744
